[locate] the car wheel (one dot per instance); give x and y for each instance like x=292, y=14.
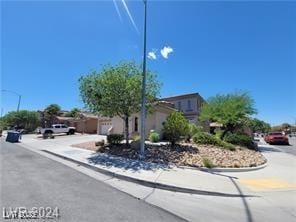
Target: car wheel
x=71, y=132
x=47, y=134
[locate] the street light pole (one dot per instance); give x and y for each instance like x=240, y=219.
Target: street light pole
x=19, y=103
x=143, y=105
x=19, y=99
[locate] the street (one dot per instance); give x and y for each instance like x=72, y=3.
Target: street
x=31, y=180
x=291, y=149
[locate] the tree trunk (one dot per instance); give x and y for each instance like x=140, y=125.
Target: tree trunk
x=228, y=128
x=126, y=131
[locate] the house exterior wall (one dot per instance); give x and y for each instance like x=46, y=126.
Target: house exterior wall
x=189, y=104
x=86, y=126
x=153, y=122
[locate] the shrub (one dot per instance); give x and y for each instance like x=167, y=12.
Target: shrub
x=218, y=133
x=239, y=139
x=136, y=138
x=175, y=126
x=192, y=130
x=207, y=138
x=207, y=162
x=154, y=137
x=114, y=138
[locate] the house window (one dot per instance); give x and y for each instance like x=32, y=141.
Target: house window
x=189, y=104
x=136, y=124
x=179, y=105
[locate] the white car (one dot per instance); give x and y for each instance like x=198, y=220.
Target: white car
x=57, y=128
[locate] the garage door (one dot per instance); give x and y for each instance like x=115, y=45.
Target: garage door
x=105, y=126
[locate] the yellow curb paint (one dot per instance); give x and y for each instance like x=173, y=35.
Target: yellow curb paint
x=267, y=184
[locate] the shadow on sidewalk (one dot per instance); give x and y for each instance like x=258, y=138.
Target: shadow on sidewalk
x=124, y=163
x=245, y=203
x=240, y=194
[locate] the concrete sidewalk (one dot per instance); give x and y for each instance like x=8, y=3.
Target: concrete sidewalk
x=149, y=174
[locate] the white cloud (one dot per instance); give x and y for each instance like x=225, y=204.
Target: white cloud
x=152, y=55
x=165, y=51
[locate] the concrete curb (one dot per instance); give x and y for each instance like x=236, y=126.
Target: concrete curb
x=149, y=183
x=221, y=169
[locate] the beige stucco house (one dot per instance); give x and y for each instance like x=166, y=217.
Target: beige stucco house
x=154, y=120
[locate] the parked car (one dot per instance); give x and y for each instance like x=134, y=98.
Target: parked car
x=56, y=129
x=276, y=138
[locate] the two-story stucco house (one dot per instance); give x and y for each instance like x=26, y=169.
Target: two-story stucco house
x=189, y=104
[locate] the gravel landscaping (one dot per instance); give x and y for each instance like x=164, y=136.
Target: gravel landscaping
x=185, y=154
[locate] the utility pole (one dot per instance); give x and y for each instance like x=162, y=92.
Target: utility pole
x=19, y=99
x=143, y=105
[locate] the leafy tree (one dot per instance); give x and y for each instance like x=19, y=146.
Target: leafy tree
x=259, y=126
x=73, y=113
x=175, y=126
x=28, y=120
x=116, y=91
x=3, y=123
x=230, y=110
x=50, y=112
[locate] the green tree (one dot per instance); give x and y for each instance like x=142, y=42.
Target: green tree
x=50, y=112
x=28, y=120
x=3, y=123
x=116, y=91
x=73, y=113
x=259, y=126
x=175, y=126
x=231, y=110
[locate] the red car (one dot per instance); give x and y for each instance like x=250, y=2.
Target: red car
x=276, y=138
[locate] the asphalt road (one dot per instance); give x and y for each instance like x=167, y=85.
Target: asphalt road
x=291, y=149
x=31, y=180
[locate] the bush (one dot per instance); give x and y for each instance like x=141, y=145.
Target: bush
x=154, y=137
x=207, y=138
x=207, y=162
x=218, y=133
x=136, y=138
x=239, y=139
x=192, y=130
x=114, y=138
x=175, y=127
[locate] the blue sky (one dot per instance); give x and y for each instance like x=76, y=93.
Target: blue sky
x=218, y=47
